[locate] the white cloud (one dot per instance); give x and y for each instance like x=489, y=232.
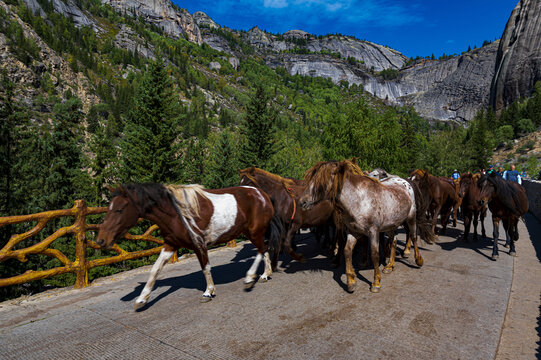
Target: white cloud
x=275, y=4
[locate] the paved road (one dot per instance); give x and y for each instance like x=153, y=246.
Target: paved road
x=453, y=307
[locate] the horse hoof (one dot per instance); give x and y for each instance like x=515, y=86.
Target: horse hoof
x=351, y=287
x=512, y=253
x=387, y=270
x=506, y=245
x=138, y=305
x=263, y=279
x=249, y=285
x=375, y=289
x=406, y=255
x=419, y=261
x=205, y=298
x=494, y=257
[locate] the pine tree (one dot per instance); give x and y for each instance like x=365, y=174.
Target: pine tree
x=258, y=129
x=151, y=143
x=223, y=164
x=480, y=142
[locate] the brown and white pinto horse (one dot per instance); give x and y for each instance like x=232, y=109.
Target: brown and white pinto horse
x=507, y=201
x=470, y=194
x=443, y=196
x=191, y=217
x=368, y=208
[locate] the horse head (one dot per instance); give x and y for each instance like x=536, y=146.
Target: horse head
x=122, y=215
x=465, y=182
x=324, y=181
x=487, y=184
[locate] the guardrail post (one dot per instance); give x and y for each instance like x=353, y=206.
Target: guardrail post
x=80, y=244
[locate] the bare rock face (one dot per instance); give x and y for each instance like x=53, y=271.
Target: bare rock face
x=203, y=20
x=518, y=62
x=173, y=20
x=129, y=40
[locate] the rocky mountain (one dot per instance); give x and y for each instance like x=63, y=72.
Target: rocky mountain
x=163, y=13
x=452, y=89
x=518, y=61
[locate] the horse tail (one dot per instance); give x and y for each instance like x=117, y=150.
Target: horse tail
x=274, y=234
x=421, y=206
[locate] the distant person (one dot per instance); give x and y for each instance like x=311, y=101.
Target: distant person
x=455, y=175
x=512, y=175
x=524, y=174
x=483, y=172
x=500, y=171
x=490, y=169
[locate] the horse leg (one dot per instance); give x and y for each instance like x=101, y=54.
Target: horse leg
x=506, y=229
x=455, y=213
x=467, y=224
x=259, y=241
x=475, y=222
x=435, y=220
x=513, y=232
x=444, y=219
x=293, y=228
x=374, y=252
x=340, y=242
x=495, y=235
x=482, y=215
x=348, y=255
x=165, y=255
x=412, y=227
x=406, y=253
x=392, y=249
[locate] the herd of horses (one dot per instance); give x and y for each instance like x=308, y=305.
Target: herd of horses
x=343, y=203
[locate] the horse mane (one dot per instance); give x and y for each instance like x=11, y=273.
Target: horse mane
x=251, y=171
x=507, y=193
x=322, y=173
x=186, y=197
x=148, y=195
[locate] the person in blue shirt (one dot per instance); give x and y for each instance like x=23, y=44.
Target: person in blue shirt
x=500, y=171
x=512, y=175
x=490, y=169
x=455, y=175
x=524, y=174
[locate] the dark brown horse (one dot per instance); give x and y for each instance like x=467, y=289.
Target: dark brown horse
x=193, y=218
x=507, y=201
x=443, y=196
x=284, y=194
x=470, y=194
x=368, y=208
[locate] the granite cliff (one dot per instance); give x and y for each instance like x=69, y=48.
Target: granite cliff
x=518, y=61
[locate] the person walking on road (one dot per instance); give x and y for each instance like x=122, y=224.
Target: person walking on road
x=513, y=175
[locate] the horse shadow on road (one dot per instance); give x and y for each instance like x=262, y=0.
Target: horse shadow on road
x=222, y=274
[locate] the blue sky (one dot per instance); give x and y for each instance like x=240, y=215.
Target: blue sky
x=413, y=27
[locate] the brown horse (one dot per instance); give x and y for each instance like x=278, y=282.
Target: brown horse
x=284, y=194
x=193, y=218
x=507, y=201
x=470, y=195
x=368, y=208
x=442, y=194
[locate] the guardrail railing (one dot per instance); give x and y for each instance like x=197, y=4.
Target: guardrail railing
x=80, y=266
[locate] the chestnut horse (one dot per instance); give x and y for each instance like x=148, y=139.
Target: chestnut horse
x=443, y=196
x=368, y=208
x=284, y=194
x=507, y=201
x=191, y=217
x=470, y=194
